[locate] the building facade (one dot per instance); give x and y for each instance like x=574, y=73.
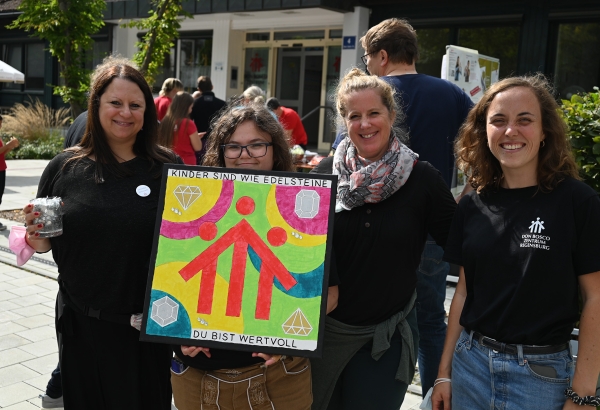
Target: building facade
x=296, y=50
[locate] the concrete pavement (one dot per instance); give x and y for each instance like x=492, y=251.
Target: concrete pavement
x=28, y=349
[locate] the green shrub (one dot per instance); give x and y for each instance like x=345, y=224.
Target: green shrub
x=582, y=115
x=41, y=148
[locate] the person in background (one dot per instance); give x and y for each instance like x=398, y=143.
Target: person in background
x=170, y=87
x=387, y=203
x=4, y=149
x=196, y=94
x=243, y=137
x=205, y=108
x=76, y=131
x=435, y=109
x=109, y=185
x=253, y=94
x=178, y=132
x=291, y=122
x=526, y=240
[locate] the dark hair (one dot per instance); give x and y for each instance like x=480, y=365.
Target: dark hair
x=232, y=116
x=94, y=141
x=177, y=111
x=273, y=103
x=555, y=159
x=397, y=37
x=357, y=80
x=1, y=118
x=204, y=84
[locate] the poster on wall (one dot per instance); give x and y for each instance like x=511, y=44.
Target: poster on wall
x=469, y=70
x=241, y=260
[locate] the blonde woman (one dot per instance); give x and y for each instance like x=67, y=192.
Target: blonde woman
x=170, y=87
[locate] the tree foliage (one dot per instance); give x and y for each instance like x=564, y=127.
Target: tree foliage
x=582, y=115
x=163, y=24
x=67, y=26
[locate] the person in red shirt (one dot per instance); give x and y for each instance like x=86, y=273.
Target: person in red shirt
x=291, y=122
x=4, y=149
x=170, y=87
x=178, y=132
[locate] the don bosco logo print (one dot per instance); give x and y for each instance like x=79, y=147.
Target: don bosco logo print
x=535, y=237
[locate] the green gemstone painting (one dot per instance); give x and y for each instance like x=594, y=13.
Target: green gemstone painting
x=241, y=260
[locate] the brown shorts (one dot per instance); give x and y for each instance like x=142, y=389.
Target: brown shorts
x=284, y=385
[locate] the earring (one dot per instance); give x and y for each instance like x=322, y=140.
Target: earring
x=543, y=144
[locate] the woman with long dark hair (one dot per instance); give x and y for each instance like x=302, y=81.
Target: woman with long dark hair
x=109, y=186
x=178, y=132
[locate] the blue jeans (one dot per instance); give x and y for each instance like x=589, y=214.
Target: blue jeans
x=483, y=379
x=431, y=315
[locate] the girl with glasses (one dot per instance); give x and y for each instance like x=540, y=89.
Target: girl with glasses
x=244, y=137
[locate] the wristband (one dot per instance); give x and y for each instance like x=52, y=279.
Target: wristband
x=441, y=380
x=582, y=401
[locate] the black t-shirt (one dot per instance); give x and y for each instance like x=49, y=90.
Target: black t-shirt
x=103, y=254
x=522, y=251
x=377, y=247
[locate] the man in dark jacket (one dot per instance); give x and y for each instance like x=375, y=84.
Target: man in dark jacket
x=203, y=111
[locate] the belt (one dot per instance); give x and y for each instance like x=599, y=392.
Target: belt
x=95, y=313
x=512, y=348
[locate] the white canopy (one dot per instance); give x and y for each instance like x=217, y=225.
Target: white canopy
x=9, y=74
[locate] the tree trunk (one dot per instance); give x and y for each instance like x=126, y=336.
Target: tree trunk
x=148, y=57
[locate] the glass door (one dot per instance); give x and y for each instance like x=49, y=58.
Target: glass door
x=299, y=76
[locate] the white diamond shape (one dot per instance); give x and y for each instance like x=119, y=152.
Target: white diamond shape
x=164, y=311
x=297, y=324
x=307, y=204
x=187, y=195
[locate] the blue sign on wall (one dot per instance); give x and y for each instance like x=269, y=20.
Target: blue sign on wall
x=349, y=42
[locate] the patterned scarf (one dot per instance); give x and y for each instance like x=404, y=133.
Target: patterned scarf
x=360, y=184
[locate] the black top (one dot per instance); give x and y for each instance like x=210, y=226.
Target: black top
x=377, y=247
x=522, y=251
x=103, y=254
x=76, y=131
x=204, y=109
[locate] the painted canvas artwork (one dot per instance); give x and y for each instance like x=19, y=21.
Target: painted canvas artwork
x=241, y=260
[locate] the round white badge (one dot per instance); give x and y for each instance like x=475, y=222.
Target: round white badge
x=143, y=190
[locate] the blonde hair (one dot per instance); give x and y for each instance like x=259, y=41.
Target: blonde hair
x=357, y=80
x=169, y=85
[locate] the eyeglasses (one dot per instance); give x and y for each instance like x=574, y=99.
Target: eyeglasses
x=364, y=58
x=256, y=150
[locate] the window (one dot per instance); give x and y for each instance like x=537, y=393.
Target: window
x=500, y=42
x=300, y=35
x=577, y=65
x=256, y=67
x=195, y=60
x=432, y=47
x=13, y=55
x=258, y=36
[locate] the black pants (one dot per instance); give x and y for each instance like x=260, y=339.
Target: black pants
x=105, y=366
x=2, y=184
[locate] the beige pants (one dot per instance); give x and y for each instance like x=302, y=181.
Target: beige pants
x=285, y=385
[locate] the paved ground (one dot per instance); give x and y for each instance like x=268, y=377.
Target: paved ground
x=28, y=350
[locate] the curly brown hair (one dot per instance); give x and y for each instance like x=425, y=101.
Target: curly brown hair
x=225, y=125
x=555, y=159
